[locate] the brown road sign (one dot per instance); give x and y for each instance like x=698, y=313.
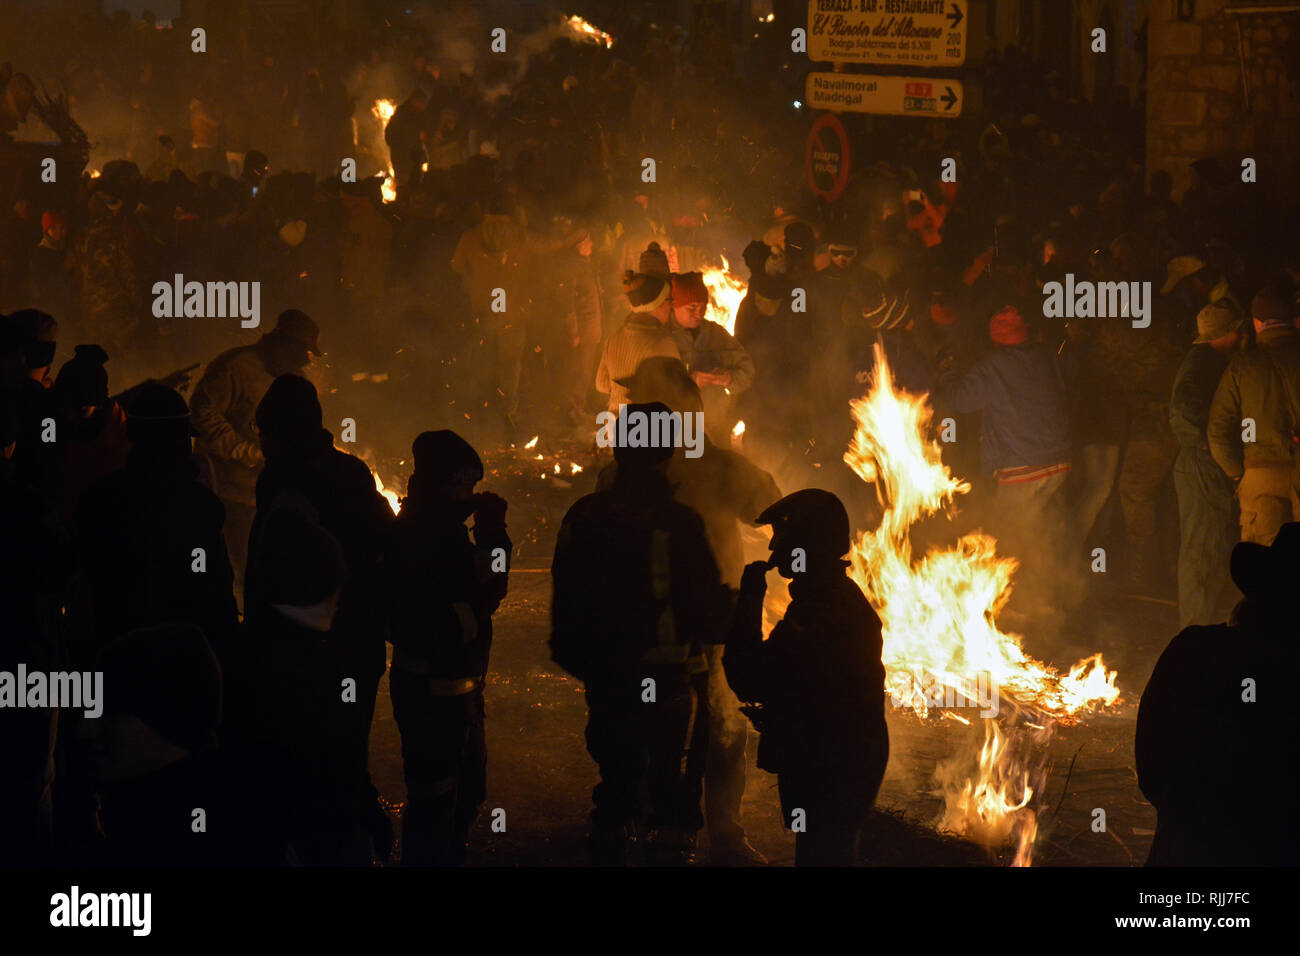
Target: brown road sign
x=901, y=32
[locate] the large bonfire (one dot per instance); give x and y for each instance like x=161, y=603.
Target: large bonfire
x=943, y=649
x=941, y=638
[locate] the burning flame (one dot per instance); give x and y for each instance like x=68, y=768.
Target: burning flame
x=390, y=496
x=738, y=430
x=939, y=616
x=384, y=110
x=726, y=292
x=532, y=442
x=582, y=30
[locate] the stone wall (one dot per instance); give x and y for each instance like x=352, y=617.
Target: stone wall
x=1196, y=105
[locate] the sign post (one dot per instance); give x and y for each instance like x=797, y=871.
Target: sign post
x=929, y=33
x=926, y=96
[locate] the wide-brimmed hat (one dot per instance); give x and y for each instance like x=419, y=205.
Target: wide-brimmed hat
x=1260, y=570
x=1215, y=321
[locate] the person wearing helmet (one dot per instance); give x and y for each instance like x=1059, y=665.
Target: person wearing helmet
x=444, y=586
x=816, y=686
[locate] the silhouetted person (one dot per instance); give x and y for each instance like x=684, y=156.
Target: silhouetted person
x=92, y=426
x=297, y=721
x=156, y=758
x=1216, y=747
x=150, y=548
x=30, y=578
x=223, y=405
x=444, y=585
x=338, y=488
x=818, y=679
x=724, y=488
x=636, y=596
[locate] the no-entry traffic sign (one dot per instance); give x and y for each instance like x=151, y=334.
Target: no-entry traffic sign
x=827, y=158
x=902, y=32
x=885, y=95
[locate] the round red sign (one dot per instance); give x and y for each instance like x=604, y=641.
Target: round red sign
x=827, y=158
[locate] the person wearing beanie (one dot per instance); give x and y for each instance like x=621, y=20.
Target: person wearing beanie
x=1025, y=433
x=1263, y=385
x=303, y=464
x=614, y=636
x=718, y=364
x=654, y=262
x=1206, y=522
x=223, y=406
x=138, y=530
x=578, y=302
x=644, y=333
x=444, y=583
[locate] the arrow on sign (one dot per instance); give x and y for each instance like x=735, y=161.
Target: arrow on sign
x=950, y=99
x=955, y=16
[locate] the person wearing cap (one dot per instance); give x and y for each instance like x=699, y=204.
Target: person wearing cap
x=224, y=405
x=445, y=581
x=725, y=489
x=1215, y=747
x=816, y=686
x=1207, y=525
x=1254, y=426
x=578, y=302
x=717, y=363
x=644, y=333
x=137, y=529
x=1025, y=430
x=637, y=595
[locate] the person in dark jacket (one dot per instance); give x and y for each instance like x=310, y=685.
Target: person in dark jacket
x=636, y=596
x=296, y=716
x=444, y=587
x=301, y=460
x=1025, y=436
x=1206, y=523
x=724, y=488
x=149, y=537
x=1216, y=748
x=164, y=794
x=818, y=681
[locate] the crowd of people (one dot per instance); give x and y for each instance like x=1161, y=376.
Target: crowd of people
x=236, y=577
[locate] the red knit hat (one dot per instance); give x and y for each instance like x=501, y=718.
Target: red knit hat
x=689, y=288
x=50, y=219
x=1007, y=327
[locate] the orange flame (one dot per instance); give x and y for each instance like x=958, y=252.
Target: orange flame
x=384, y=110
x=726, y=292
